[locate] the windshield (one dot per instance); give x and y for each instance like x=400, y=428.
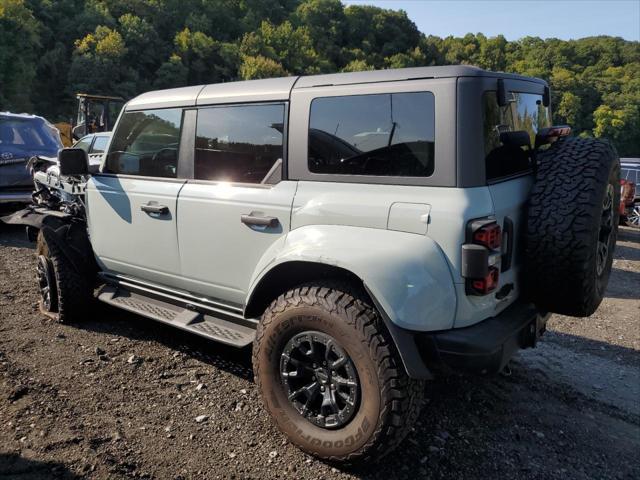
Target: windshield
x=524, y=112
x=28, y=136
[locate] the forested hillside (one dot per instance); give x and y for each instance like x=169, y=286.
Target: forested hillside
x=51, y=49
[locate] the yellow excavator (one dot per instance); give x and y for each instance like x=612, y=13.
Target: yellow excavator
x=96, y=113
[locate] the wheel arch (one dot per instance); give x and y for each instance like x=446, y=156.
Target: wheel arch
x=287, y=275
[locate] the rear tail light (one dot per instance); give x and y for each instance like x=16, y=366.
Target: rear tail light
x=481, y=256
x=487, y=284
x=489, y=235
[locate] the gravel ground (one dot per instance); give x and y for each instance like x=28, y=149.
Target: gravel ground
x=118, y=396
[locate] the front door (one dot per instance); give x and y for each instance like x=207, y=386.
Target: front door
x=132, y=205
x=237, y=206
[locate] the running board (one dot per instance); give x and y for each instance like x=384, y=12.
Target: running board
x=224, y=330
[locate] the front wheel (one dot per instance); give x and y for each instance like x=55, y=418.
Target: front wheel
x=65, y=293
x=330, y=376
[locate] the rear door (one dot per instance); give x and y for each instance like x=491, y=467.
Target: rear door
x=509, y=170
x=132, y=204
x=237, y=205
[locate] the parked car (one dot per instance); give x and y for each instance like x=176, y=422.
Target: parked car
x=363, y=231
x=630, y=172
x=95, y=145
x=21, y=137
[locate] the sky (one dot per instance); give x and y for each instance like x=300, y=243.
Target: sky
x=565, y=19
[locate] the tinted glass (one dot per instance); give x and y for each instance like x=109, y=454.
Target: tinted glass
x=84, y=143
x=524, y=113
x=238, y=143
x=146, y=144
x=380, y=135
x=99, y=144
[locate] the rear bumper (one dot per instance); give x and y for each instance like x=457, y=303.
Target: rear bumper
x=483, y=348
x=486, y=347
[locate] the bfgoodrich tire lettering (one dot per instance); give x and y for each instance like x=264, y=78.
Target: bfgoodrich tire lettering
x=571, y=221
x=389, y=400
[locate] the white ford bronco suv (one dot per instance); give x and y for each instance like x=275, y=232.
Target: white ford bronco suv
x=363, y=231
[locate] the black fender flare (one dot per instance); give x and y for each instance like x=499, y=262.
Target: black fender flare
x=67, y=232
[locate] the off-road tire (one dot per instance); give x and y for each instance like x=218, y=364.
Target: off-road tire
x=72, y=289
x=390, y=401
x=565, y=215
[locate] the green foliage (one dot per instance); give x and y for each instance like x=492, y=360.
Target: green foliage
x=254, y=67
x=51, y=49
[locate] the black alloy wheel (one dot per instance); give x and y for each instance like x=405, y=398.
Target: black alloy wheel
x=46, y=284
x=320, y=380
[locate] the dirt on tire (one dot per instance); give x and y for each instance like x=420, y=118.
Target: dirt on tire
x=389, y=402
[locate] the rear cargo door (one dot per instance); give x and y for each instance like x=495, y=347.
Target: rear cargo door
x=509, y=170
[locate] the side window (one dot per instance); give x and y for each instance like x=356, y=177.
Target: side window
x=525, y=112
x=146, y=143
x=84, y=143
x=238, y=143
x=99, y=144
x=381, y=135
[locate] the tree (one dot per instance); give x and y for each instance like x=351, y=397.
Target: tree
x=19, y=42
x=260, y=67
x=98, y=65
x=284, y=43
x=49, y=50
x=569, y=110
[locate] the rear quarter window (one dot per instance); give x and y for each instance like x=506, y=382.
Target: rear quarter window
x=525, y=112
x=373, y=135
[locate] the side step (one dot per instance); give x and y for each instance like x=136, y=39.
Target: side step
x=223, y=330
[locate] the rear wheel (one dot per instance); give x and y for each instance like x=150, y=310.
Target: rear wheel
x=330, y=376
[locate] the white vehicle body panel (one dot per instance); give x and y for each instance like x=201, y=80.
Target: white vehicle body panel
x=124, y=238
x=406, y=273
x=218, y=253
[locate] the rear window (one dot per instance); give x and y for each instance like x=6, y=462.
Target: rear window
x=524, y=113
x=99, y=144
x=377, y=135
x=146, y=143
x=24, y=137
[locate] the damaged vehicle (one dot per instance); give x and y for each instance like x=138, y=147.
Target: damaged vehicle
x=363, y=232
x=22, y=137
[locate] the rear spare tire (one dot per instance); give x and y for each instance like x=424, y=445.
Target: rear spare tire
x=572, y=225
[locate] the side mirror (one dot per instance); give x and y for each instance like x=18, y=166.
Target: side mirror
x=73, y=162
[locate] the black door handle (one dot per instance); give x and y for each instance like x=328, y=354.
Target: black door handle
x=259, y=221
x=155, y=208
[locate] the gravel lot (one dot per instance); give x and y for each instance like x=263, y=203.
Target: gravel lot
x=117, y=396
